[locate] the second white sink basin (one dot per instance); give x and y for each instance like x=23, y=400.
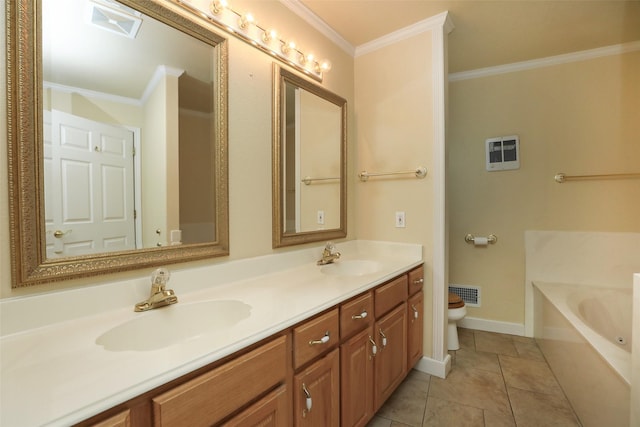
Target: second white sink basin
x=172, y=324
x=350, y=268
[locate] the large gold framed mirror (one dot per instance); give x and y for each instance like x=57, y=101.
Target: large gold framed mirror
x=309, y=161
x=117, y=136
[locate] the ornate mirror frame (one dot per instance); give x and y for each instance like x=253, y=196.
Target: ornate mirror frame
x=25, y=132
x=280, y=238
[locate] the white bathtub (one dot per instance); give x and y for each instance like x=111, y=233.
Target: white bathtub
x=585, y=334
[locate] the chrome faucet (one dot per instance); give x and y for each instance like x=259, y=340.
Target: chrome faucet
x=329, y=254
x=159, y=296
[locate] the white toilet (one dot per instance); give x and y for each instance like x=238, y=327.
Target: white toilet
x=456, y=311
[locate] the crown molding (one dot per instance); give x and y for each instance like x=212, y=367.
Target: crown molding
x=583, y=55
x=91, y=93
x=441, y=20
x=312, y=19
x=161, y=71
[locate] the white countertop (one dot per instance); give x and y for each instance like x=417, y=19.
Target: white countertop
x=54, y=373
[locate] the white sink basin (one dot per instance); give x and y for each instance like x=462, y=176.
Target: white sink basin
x=172, y=324
x=350, y=268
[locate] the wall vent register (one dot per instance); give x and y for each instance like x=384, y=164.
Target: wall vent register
x=503, y=153
x=469, y=294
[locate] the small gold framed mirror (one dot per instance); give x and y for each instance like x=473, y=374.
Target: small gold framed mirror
x=309, y=161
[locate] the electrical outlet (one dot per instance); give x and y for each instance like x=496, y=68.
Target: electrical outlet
x=321, y=217
x=400, y=223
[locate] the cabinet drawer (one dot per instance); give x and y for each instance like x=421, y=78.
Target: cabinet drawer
x=271, y=410
x=416, y=280
x=356, y=315
x=315, y=337
x=212, y=396
x=389, y=295
x=123, y=419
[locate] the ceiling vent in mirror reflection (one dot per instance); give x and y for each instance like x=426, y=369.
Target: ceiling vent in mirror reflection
x=111, y=17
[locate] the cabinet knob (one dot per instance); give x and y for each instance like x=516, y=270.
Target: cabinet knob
x=418, y=281
x=415, y=311
x=308, y=400
x=374, y=346
x=323, y=340
x=384, y=339
x=360, y=316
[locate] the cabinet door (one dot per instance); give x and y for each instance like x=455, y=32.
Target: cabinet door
x=391, y=360
x=356, y=379
x=316, y=398
x=270, y=411
x=415, y=327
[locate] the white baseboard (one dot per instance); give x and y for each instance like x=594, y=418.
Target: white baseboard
x=492, y=326
x=434, y=367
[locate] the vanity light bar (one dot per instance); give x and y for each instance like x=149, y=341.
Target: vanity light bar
x=245, y=27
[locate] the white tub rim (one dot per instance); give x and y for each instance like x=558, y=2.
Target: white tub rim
x=558, y=294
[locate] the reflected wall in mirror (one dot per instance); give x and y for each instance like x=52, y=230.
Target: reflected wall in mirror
x=117, y=138
x=309, y=161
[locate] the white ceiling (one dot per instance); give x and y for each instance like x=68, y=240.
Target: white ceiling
x=77, y=54
x=489, y=33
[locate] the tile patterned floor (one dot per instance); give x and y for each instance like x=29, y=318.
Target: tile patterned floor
x=496, y=380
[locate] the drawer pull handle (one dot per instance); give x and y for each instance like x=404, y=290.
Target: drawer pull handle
x=418, y=281
x=360, y=316
x=384, y=339
x=323, y=340
x=415, y=311
x=308, y=400
x=374, y=346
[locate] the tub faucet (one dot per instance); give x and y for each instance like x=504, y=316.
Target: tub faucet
x=329, y=254
x=159, y=296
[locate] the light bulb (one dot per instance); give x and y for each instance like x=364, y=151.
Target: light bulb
x=269, y=35
x=245, y=20
x=216, y=6
x=288, y=46
x=325, y=65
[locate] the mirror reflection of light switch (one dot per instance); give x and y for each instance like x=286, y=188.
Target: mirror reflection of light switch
x=321, y=217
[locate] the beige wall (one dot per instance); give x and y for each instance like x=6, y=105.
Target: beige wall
x=249, y=144
x=578, y=118
x=395, y=133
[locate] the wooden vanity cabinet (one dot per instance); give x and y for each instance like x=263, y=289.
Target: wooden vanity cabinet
x=334, y=369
